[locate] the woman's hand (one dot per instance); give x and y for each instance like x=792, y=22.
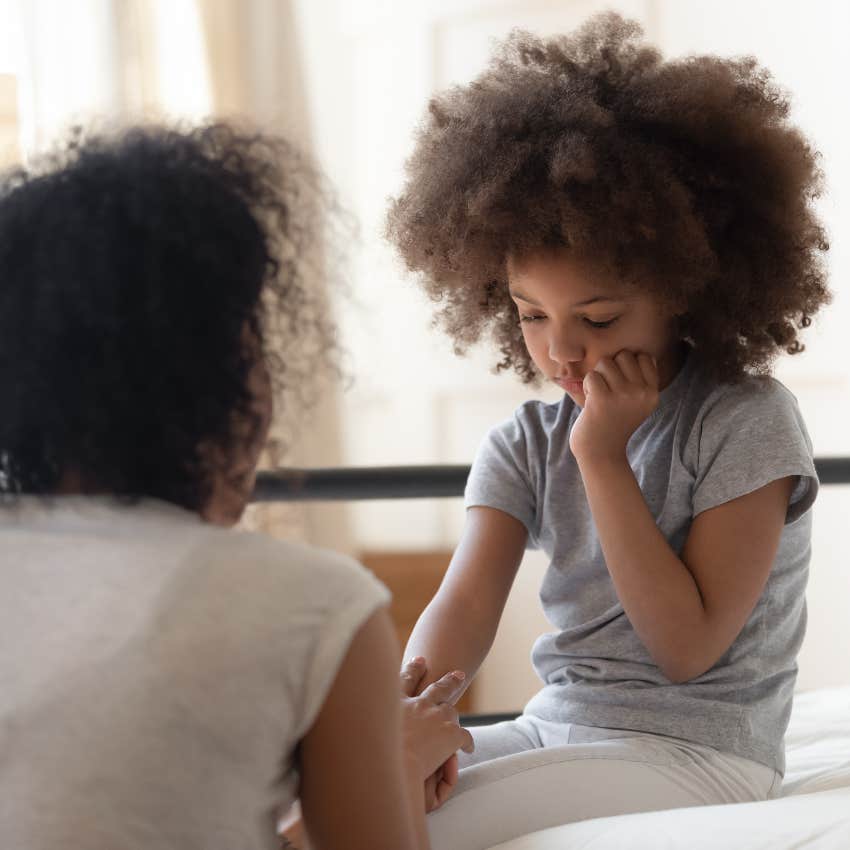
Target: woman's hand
x=432, y=735
x=620, y=393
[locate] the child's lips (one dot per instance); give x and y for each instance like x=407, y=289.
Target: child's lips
x=570, y=385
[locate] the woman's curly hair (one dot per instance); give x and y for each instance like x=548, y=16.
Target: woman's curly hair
x=142, y=275
x=682, y=177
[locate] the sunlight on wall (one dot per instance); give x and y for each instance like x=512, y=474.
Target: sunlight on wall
x=10, y=43
x=95, y=61
x=65, y=73
x=183, y=81
x=9, y=149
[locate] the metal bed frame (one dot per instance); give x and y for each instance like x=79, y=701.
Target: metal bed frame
x=337, y=484
x=418, y=482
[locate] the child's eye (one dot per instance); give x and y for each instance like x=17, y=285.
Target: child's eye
x=606, y=324
x=530, y=318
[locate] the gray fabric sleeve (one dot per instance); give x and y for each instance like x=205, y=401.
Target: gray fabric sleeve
x=753, y=434
x=500, y=476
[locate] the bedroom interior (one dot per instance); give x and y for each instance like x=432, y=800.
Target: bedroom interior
x=401, y=431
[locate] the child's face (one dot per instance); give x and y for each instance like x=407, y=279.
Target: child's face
x=572, y=314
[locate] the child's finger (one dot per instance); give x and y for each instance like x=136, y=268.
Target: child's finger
x=630, y=366
x=411, y=675
x=446, y=689
x=447, y=782
x=610, y=371
x=441, y=793
x=432, y=792
x=468, y=742
x=594, y=383
x=648, y=369
x=450, y=770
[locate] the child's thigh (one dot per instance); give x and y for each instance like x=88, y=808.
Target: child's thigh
x=500, y=739
x=500, y=800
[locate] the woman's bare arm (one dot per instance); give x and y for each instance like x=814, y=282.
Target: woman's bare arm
x=360, y=789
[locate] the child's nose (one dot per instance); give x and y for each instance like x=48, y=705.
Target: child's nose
x=565, y=349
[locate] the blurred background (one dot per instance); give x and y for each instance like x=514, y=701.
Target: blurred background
x=349, y=80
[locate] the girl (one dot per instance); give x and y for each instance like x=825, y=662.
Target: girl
x=164, y=681
x=640, y=233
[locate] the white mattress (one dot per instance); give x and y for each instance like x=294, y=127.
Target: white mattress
x=813, y=812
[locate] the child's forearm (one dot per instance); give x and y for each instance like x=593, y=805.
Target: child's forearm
x=687, y=608
x=452, y=634
x=656, y=588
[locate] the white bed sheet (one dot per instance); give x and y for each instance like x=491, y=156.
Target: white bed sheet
x=812, y=813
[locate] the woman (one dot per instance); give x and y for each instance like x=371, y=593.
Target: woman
x=164, y=681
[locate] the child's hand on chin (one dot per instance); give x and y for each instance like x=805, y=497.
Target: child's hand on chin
x=620, y=393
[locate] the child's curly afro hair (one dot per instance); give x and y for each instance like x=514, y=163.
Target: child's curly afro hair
x=683, y=177
x=142, y=274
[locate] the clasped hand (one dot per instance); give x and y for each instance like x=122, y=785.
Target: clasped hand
x=620, y=392
x=432, y=734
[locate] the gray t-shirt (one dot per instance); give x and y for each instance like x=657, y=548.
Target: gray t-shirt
x=704, y=445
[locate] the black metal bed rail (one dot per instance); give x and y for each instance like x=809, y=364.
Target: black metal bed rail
x=414, y=482
x=419, y=482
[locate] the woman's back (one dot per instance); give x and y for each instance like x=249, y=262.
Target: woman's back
x=157, y=673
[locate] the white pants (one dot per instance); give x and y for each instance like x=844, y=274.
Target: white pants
x=529, y=774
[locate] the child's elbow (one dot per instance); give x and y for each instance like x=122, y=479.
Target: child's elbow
x=682, y=670
x=678, y=676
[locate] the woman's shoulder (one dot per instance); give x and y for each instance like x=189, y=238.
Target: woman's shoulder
x=249, y=598
x=178, y=544
x=282, y=566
